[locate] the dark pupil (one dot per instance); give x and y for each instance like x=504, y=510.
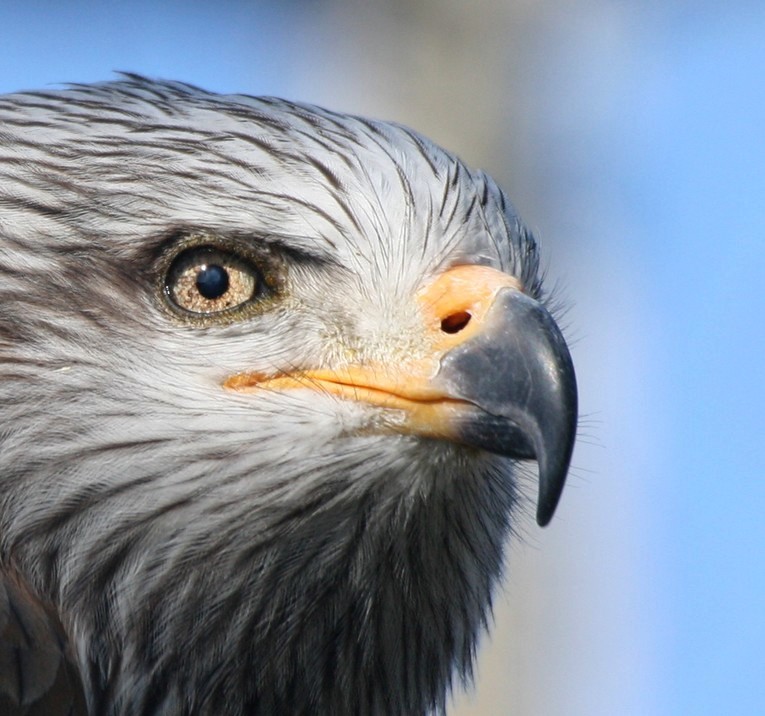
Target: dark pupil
x=212, y=281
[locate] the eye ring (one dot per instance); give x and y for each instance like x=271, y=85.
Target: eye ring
x=207, y=281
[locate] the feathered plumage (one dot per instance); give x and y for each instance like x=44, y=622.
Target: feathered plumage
x=172, y=544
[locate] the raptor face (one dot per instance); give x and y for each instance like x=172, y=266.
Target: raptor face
x=266, y=373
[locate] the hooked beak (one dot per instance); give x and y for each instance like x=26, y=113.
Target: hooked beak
x=498, y=376
x=518, y=374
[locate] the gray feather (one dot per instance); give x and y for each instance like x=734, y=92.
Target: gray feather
x=206, y=553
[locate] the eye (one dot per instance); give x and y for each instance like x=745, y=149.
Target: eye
x=207, y=280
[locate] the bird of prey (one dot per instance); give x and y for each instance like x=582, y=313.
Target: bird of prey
x=268, y=378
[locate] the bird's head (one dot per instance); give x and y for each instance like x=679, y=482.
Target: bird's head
x=265, y=375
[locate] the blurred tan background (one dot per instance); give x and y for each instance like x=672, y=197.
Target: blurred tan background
x=525, y=91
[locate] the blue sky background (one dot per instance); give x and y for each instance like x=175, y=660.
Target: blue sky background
x=649, y=137
x=695, y=188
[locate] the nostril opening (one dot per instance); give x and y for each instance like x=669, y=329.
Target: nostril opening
x=456, y=322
